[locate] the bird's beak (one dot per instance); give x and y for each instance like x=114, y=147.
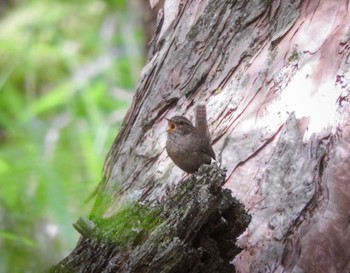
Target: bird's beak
x=171, y=125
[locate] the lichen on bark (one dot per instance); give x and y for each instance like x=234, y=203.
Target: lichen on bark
x=193, y=230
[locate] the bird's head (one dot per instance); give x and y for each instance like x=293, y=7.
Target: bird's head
x=179, y=125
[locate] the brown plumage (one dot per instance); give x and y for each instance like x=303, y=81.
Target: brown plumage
x=188, y=147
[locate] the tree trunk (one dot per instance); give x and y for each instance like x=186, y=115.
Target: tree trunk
x=275, y=78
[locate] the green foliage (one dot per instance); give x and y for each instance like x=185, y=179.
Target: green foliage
x=57, y=119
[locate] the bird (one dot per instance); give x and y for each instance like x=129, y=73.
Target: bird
x=189, y=146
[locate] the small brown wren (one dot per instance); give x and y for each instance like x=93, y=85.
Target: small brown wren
x=189, y=146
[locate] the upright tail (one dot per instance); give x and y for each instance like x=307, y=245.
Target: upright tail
x=201, y=121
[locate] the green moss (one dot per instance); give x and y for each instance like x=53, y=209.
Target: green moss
x=129, y=226
x=103, y=201
x=294, y=56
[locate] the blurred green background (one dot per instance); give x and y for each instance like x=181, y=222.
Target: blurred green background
x=68, y=72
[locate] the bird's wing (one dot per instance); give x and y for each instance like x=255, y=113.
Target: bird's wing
x=206, y=148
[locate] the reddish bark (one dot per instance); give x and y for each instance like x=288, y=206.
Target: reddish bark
x=275, y=78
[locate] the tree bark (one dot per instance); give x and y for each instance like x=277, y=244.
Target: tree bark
x=194, y=230
x=275, y=78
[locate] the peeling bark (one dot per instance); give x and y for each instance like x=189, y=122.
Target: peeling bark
x=275, y=78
